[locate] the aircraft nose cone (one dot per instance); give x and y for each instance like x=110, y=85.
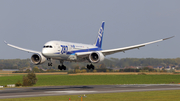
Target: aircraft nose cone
x=45, y=52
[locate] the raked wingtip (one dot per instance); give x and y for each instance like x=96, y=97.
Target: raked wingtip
x=168, y=38
x=5, y=42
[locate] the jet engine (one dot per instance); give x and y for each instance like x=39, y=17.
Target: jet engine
x=37, y=59
x=96, y=57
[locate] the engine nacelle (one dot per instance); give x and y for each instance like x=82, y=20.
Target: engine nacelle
x=37, y=59
x=96, y=57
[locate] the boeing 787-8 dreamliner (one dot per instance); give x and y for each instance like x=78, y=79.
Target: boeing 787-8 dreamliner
x=76, y=52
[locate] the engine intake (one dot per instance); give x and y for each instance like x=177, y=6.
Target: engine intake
x=96, y=57
x=37, y=59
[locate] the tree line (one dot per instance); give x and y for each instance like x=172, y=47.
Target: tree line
x=107, y=63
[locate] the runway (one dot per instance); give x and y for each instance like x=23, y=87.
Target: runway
x=79, y=90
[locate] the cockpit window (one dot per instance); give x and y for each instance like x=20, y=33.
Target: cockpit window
x=48, y=46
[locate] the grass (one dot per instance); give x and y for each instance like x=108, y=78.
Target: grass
x=170, y=95
x=54, y=80
x=4, y=80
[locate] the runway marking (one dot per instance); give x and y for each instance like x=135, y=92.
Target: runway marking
x=135, y=90
x=18, y=96
x=74, y=92
x=139, y=90
x=70, y=91
x=57, y=93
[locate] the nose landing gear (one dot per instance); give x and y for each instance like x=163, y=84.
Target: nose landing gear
x=50, y=63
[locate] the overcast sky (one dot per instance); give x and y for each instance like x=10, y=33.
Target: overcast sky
x=31, y=23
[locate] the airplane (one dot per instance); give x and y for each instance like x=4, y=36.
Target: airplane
x=76, y=52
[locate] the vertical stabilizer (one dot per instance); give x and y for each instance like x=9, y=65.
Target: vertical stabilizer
x=99, y=40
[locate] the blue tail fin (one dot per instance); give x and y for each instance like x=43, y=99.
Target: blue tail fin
x=99, y=40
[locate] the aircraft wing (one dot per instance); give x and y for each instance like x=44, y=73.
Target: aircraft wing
x=112, y=51
x=83, y=54
x=23, y=49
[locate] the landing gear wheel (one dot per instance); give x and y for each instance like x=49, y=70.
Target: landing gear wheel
x=90, y=67
x=62, y=67
x=59, y=67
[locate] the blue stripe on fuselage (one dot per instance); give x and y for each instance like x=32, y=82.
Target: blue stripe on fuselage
x=84, y=50
x=57, y=53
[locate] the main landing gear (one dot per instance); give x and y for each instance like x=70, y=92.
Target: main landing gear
x=61, y=67
x=91, y=66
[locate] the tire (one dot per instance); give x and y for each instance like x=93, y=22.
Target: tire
x=59, y=67
x=88, y=67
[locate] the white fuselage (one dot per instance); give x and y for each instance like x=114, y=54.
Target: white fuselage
x=65, y=50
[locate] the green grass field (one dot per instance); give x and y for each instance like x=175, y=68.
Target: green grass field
x=54, y=80
x=172, y=95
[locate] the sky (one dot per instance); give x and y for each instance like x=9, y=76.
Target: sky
x=31, y=23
